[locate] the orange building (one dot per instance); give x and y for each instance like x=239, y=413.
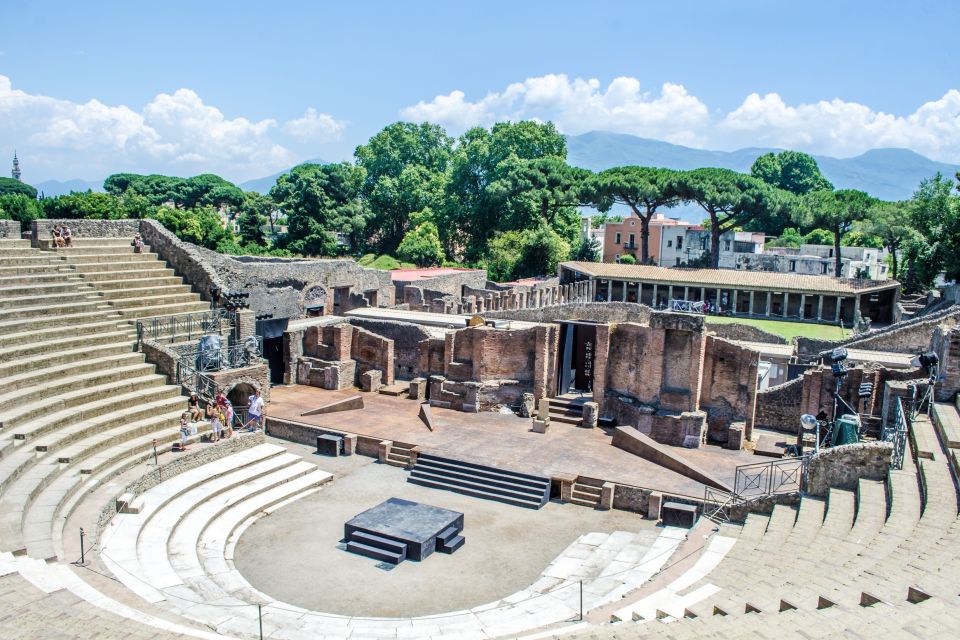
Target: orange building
x=623, y=238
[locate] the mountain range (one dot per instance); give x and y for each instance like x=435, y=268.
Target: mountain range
x=889, y=174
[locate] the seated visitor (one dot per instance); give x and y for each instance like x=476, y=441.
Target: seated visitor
x=56, y=236
x=137, y=244
x=67, y=236
x=193, y=406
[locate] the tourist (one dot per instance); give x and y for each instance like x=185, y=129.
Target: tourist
x=67, y=236
x=193, y=405
x=137, y=244
x=57, y=237
x=227, y=419
x=184, y=430
x=213, y=415
x=255, y=412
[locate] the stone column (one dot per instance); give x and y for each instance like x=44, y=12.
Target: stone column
x=703, y=294
x=820, y=307
x=734, y=301
x=653, y=300
x=836, y=314
x=669, y=294
x=686, y=293
x=752, y=295
x=717, y=299
x=623, y=291
x=609, y=290
x=769, y=302
x=591, y=414
x=786, y=304
x=803, y=306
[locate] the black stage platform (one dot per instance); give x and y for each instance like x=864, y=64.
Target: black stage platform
x=396, y=530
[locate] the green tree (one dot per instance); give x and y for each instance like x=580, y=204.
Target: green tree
x=789, y=238
x=791, y=171
x=587, y=249
x=628, y=258
x=20, y=207
x=859, y=238
x=202, y=226
x=818, y=236
x=325, y=214
x=934, y=213
x=83, y=205
x=474, y=205
x=835, y=211
x=421, y=245
x=891, y=223
x=406, y=171
x=644, y=189
x=521, y=254
x=11, y=186
x=730, y=199
x=255, y=212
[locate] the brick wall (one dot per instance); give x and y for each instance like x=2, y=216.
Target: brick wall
x=592, y=311
x=778, y=407
x=746, y=332
x=729, y=387
x=406, y=339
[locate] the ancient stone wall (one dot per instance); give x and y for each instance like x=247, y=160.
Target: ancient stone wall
x=184, y=258
x=406, y=339
x=729, y=387
x=589, y=311
x=336, y=355
x=778, y=407
x=450, y=284
x=946, y=344
x=10, y=229
x=84, y=228
x=372, y=351
x=909, y=336
x=744, y=332
x=841, y=467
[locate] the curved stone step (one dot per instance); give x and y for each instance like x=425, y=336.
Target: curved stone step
x=127, y=273
x=40, y=346
x=41, y=321
x=60, y=371
x=59, y=385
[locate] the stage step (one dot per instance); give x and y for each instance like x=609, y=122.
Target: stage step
x=480, y=481
x=380, y=542
x=375, y=552
x=451, y=545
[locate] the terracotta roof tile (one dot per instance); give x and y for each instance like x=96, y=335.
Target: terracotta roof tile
x=731, y=278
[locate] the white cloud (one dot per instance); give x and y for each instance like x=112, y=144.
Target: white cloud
x=577, y=106
x=844, y=128
x=834, y=127
x=174, y=133
x=315, y=127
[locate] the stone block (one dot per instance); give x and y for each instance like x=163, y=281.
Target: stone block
x=543, y=410
x=735, y=436
x=370, y=381
x=606, y=495
x=349, y=444
x=677, y=514
x=654, y=504
x=541, y=426
x=329, y=444
x=591, y=414
x=527, y=405
x=418, y=389
x=383, y=450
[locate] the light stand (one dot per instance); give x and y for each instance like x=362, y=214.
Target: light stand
x=929, y=362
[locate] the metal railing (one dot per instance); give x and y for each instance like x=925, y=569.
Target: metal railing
x=783, y=475
x=225, y=357
x=185, y=326
x=688, y=306
x=896, y=433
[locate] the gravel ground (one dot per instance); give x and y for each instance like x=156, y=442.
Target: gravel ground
x=295, y=554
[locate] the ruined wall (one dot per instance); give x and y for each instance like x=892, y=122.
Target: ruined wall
x=84, y=228
x=406, y=339
x=745, y=332
x=372, y=351
x=336, y=355
x=841, y=467
x=450, y=284
x=10, y=229
x=588, y=311
x=729, y=387
x=946, y=344
x=909, y=336
x=778, y=407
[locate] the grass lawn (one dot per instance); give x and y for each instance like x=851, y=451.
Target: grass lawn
x=385, y=263
x=787, y=329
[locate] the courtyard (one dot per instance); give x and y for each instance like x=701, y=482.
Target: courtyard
x=787, y=329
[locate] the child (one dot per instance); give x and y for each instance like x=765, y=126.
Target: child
x=227, y=419
x=184, y=431
x=213, y=414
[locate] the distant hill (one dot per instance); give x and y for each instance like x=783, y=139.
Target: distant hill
x=263, y=185
x=51, y=188
x=890, y=174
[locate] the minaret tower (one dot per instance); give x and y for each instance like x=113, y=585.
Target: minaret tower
x=16, y=167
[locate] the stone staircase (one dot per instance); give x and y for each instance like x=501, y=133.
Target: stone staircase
x=586, y=492
x=491, y=483
x=77, y=404
x=400, y=455
x=566, y=410
x=879, y=561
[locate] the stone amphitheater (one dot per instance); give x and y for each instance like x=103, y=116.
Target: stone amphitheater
x=85, y=429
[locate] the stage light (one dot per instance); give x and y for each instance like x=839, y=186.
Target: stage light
x=866, y=390
x=838, y=355
x=838, y=370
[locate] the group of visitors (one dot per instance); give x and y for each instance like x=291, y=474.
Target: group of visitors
x=221, y=415
x=62, y=236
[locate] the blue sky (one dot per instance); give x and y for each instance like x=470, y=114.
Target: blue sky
x=248, y=88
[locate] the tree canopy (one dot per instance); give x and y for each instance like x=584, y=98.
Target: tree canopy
x=835, y=211
x=11, y=186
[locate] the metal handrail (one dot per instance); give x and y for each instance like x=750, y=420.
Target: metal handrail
x=185, y=326
x=225, y=357
x=783, y=475
x=897, y=434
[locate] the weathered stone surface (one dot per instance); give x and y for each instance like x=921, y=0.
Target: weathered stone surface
x=540, y=426
x=637, y=443
x=370, y=380
x=527, y=405
x=591, y=414
x=10, y=229
x=426, y=415
x=346, y=404
x=418, y=389
x=841, y=467
x=735, y=437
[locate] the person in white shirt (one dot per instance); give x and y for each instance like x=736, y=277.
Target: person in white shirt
x=255, y=412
